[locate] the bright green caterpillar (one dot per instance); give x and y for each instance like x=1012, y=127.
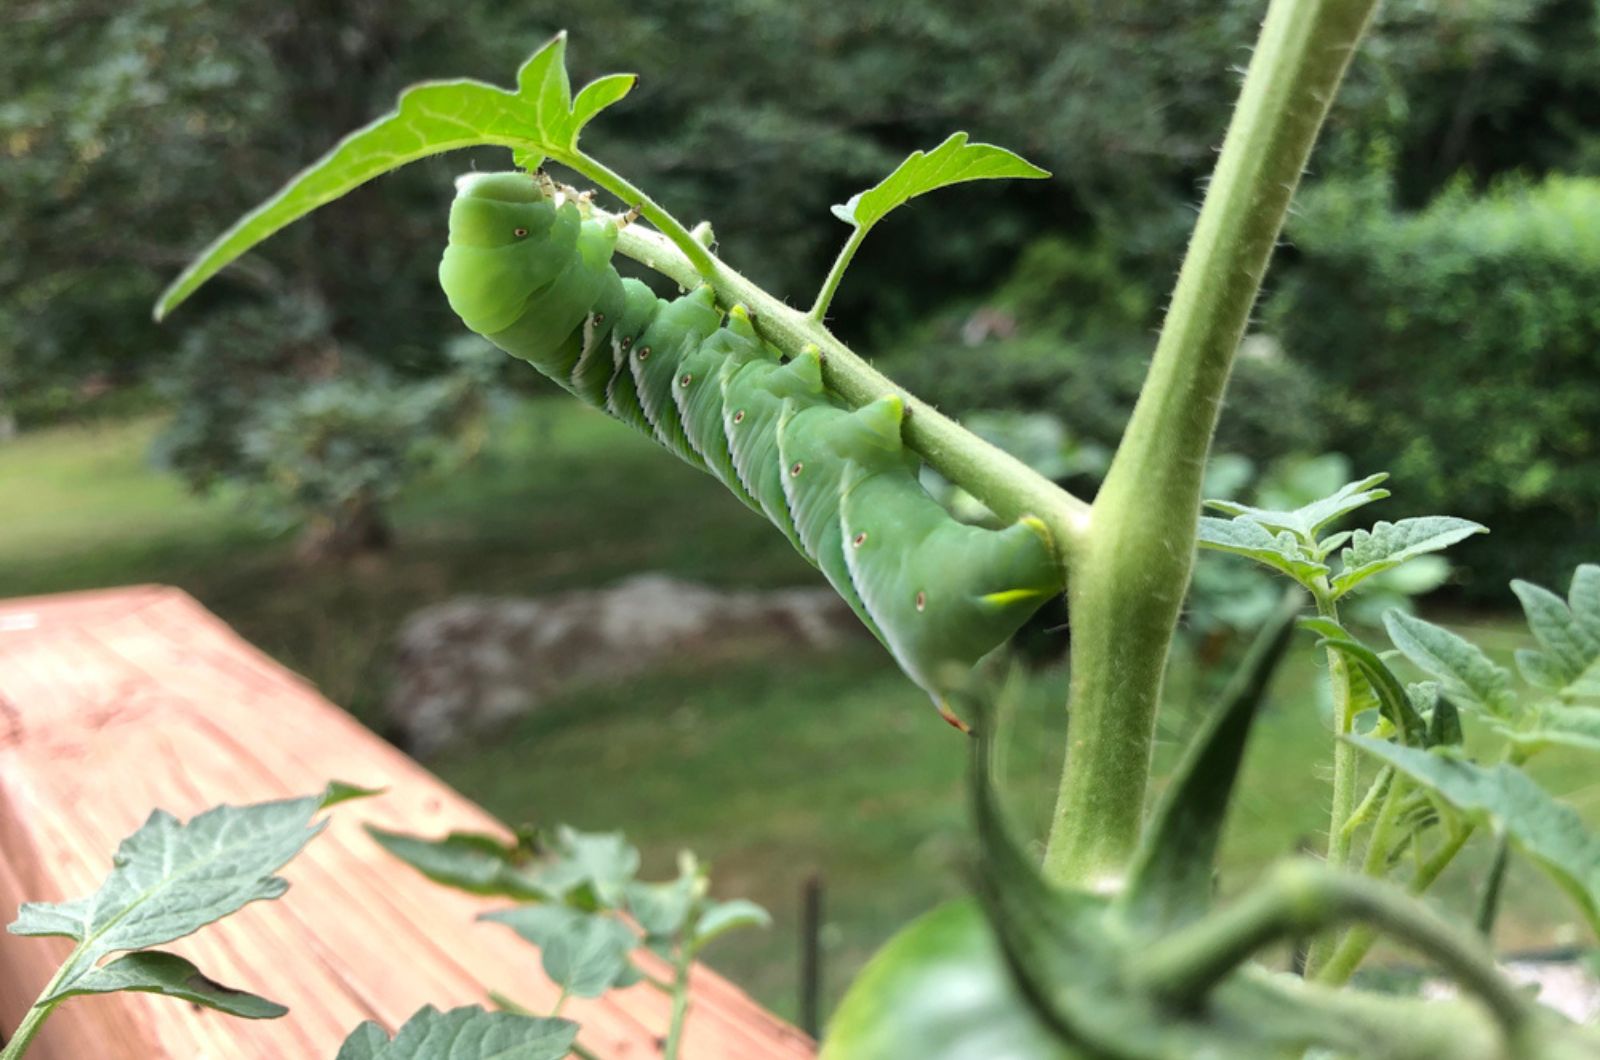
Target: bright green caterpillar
x=528, y=272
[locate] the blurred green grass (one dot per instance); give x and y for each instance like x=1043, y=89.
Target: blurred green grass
x=771, y=767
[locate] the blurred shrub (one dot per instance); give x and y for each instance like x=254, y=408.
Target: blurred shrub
x=314, y=436
x=1065, y=334
x=1461, y=345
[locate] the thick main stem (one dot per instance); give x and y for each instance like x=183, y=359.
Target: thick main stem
x=1127, y=582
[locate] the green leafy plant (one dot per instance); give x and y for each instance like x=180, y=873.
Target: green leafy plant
x=165, y=884
x=468, y=1033
x=585, y=908
x=171, y=878
x=1116, y=946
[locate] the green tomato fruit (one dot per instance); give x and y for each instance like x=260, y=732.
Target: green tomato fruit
x=940, y=990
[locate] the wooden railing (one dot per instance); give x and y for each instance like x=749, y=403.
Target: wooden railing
x=114, y=703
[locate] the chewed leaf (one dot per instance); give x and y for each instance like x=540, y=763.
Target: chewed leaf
x=538, y=120
x=154, y=972
x=1463, y=670
x=172, y=878
x=1246, y=537
x=953, y=162
x=1551, y=834
x=1307, y=520
x=1568, y=632
x=469, y=861
x=468, y=1033
x=1387, y=545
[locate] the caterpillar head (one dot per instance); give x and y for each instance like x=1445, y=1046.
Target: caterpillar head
x=507, y=238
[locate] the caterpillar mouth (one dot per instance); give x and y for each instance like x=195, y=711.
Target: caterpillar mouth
x=501, y=187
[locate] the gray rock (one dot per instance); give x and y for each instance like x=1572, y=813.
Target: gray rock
x=473, y=662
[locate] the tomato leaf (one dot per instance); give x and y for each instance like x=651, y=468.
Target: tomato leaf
x=953, y=162
x=1244, y=536
x=1387, y=545
x=585, y=954
x=1548, y=832
x=536, y=121
x=719, y=918
x=1307, y=520
x=155, y=972
x=468, y=1033
x=1466, y=674
x=468, y=861
x=171, y=878
x=1568, y=632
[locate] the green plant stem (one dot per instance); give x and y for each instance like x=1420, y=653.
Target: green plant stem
x=1010, y=488
x=1358, y=941
x=1127, y=582
x=696, y=252
x=1346, y=771
x=40, y=1011
x=830, y=286
x=1489, y=899
x=1363, y=812
x=680, y=1001
x=1300, y=898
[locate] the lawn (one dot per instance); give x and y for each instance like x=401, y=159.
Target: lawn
x=774, y=767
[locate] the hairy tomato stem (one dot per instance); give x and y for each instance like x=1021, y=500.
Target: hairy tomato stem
x=1127, y=584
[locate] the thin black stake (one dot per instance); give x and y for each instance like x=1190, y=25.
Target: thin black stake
x=811, y=954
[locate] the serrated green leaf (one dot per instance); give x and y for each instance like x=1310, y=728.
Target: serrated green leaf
x=1387, y=545
x=1559, y=726
x=468, y=861
x=590, y=955
x=719, y=918
x=1549, y=833
x=154, y=972
x=584, y=953
x=537, y=924
x=601, y=862
x=1466, y=674
x=1568, y=632
x=1245, y=537
x=468, y=1033
x=953, y=162
x=169, y=879
x=536, y=121
x=1306, y=521
x=661, y=909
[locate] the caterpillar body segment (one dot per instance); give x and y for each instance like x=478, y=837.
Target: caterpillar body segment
x=524, y=269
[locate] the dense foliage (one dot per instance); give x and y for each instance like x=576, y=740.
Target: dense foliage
x=128, y=131
x=1463, y=342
